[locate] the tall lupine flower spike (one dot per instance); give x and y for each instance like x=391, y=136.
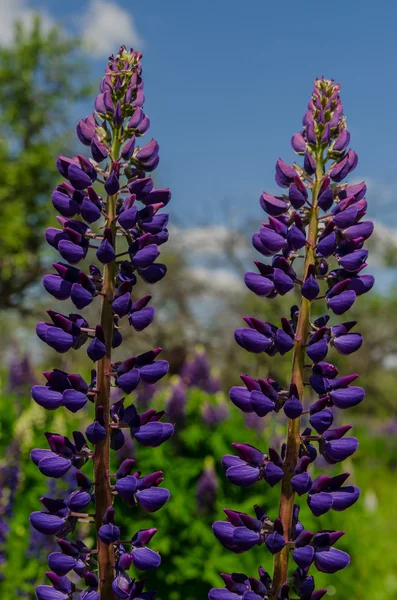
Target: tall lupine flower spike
x=129, y=209
x=320, y=219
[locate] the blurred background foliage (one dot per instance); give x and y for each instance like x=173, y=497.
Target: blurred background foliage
x=199, y=303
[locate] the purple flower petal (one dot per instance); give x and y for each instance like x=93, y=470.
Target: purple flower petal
x=145, y=559
x=331, y=560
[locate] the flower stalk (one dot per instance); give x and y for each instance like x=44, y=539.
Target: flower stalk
x=280, y=571
x=331, y=274
x=103, y=490
x=112, y=134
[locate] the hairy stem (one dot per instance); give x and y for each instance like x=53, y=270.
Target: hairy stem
x=103, y=490
x=280, y=573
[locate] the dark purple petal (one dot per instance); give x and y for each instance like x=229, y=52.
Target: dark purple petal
x=345, y=497
x=251, y=340
x=152, y=499
x=275, y=542
x=45, y=397
x=282, y=282
x=293, y=408
x=128, y=381
x=109, y=533
x=243, y=475
x=80, y=296
x=95, y=433
x=362, y=284
x=47, y=592
x=361, y=230
x=326, y=198
x=241, y=397
x=272, y=241
x=74, y=400
x=303, y=556
x=221, y=594
x=301, y=483
x=322, y=420
x=154, y=372
x=57, y=287
x=77, y=177
x=261, y=286
x=54, y=466
x=317, y=351
x=105, y=253
x=298, y=142
x=71, y=252
x=331, y=560
x=126, y=488
x=122, y=304
x=342, y=302
x=327, y=245
x=283, y=342
x=145, y=559
x=320, y=503
x=127, y=219
x=310, y=288
x=347, y=397
x=338, y=450
x=260, y=404
x=296, y=238
x=272, y=473
x=96, y=349
x=154, y=273
x=145, y=257
x=61, y=563
x=79, y=500
x=349, y=343
x=272, y=205
x=46, y=524
x=153, y=434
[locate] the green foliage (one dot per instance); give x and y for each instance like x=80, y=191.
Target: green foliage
x=42, y=75
x=191, y=557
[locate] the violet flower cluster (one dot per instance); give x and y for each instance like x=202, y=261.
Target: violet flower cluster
x=321, y=219
x=126, y=240
x=196, y=373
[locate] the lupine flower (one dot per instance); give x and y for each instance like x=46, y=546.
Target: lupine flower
x=241, y=587
x=207, y=486
x=129, y=206
x=9, y=479
x=20, y=372
x=213, y=414
x=197, y=373
x=320, y=218
x=176, y=404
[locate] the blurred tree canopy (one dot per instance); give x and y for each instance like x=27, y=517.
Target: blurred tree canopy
x=42, y=74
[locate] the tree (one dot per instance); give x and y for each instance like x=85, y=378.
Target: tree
x=41, y=75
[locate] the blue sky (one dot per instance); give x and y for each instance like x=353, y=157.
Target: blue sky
x=227, y=83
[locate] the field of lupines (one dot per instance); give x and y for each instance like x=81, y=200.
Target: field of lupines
x=295, y=460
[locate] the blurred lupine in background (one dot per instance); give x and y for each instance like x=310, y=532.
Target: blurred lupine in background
x=20, y=373
x=9, y=475
x=126, y=241
x=319, y=219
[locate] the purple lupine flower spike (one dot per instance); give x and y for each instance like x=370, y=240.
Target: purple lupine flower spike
x=320, y=218
x=129, y=206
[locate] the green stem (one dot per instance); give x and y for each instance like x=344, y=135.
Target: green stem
x=103, y=490
x=280, y=572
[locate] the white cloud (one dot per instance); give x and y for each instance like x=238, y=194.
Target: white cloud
x=17, y=10
x=207, y=241
x=103, y=26
x=217, y=280
x=378, y=191
x=107, y=26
